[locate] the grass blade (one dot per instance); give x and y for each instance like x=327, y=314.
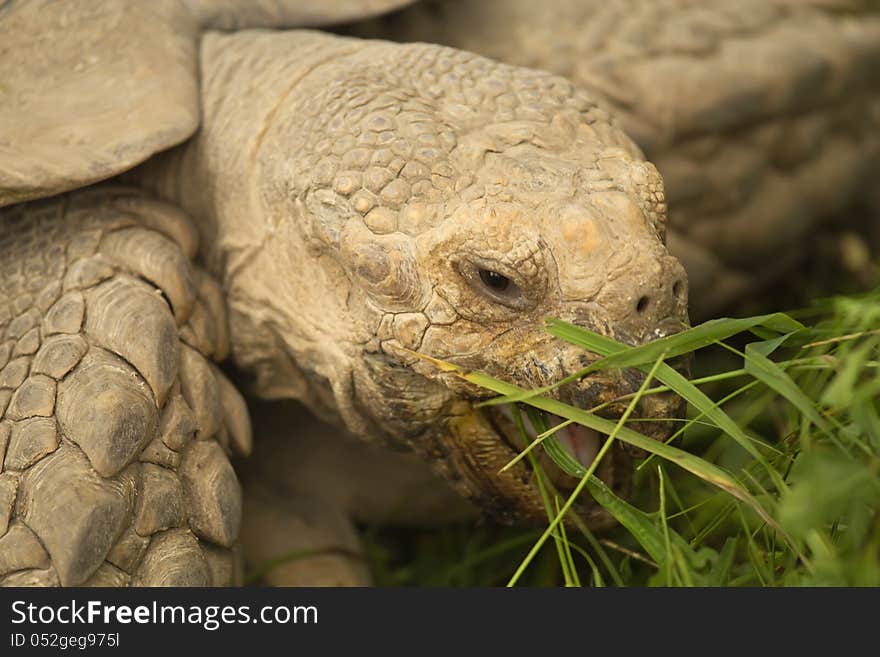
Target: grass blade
x=703, y=469
x=692, y=339
x=583, y=482
x=774, y=377
x=617, y=355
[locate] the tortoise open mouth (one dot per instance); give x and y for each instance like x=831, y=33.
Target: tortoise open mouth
x=481, y=442
x=484, y=441
x=582, y=443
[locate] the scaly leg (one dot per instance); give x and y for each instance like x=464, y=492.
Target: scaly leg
x=115, y=427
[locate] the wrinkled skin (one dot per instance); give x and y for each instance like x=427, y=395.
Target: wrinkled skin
x=761, y=115
x=376, y=198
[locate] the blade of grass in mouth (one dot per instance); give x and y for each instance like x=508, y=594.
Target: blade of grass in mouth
x=588, y=473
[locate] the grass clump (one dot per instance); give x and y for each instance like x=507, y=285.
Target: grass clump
x=772, y=479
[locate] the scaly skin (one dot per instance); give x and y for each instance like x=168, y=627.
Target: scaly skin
x=762, y=116
x=355, y=201
x=115, y=429
x=348, y=194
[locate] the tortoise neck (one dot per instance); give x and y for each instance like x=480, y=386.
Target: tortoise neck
x=230, y=178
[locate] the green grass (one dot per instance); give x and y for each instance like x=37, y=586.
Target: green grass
x=772, y=479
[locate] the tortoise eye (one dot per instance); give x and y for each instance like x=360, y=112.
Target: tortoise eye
x=492, y=284
x=500, y=288
x=494, y=281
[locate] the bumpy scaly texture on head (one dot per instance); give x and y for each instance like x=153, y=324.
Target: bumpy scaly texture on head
x=357, y=211
x=403, y=135
x=755, y=157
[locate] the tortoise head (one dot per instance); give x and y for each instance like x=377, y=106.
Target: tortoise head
x=474, y=289
x=414, y=201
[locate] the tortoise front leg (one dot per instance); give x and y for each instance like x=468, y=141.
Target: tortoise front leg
x=299, y=540
x=116, y=427
x=297, y=527
x=309, y=483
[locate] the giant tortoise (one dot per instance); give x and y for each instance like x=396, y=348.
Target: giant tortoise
x=326, y=212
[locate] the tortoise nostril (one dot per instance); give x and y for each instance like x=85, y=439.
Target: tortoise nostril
x=642, y=304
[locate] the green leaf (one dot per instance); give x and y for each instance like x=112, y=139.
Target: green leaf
x=774, y=377
x=720, y=572
x=670, y=377
x=636, y=521
x=842, y=389
x=617, y=354
x=827, y=486
x=701, y=468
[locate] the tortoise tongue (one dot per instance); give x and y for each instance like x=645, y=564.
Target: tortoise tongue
x=580, y=441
